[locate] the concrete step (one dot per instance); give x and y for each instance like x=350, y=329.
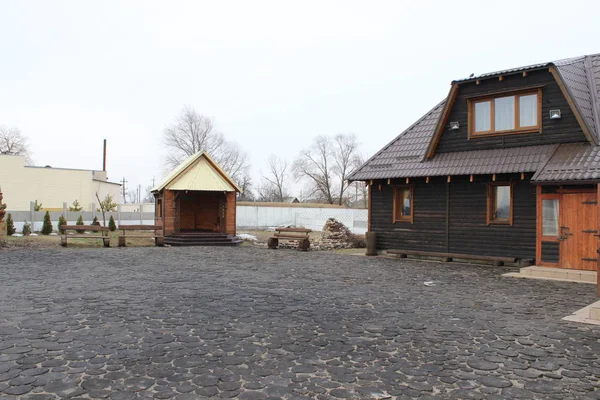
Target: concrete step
x=558, y=274
x=586, y=315
x=595, y=312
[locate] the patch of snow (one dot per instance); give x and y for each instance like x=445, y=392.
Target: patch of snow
x=54, y=234
x=33, y=234
x=247, y=236
x=17, y=234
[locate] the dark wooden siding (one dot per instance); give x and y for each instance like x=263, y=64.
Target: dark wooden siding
x=428, y=230
x=550, y=252
x=468, y=232
x=564, y=130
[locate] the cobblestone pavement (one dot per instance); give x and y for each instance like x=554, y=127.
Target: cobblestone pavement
x=188, y=323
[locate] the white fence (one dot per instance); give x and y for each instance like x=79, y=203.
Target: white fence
x=126, y=214
x=248, y=217
x=260, y=217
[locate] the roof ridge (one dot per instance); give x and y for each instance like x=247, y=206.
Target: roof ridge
x=568, y=60
x=427, y=114
x=560, y=62
x=593, y=90
x=545, y=162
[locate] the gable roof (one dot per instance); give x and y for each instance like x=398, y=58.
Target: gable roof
x=407, y=154
x=198, y=172
x=403, y=157
x=577, y=80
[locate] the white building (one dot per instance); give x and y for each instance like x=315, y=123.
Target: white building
x=22, y=184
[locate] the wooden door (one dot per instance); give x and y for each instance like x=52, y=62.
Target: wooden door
x=578, y=224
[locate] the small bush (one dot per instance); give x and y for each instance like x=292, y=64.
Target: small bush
x=111, y=224
x=80, y=222
x=75, y=206
x=95, y=221
x=61, y=221
x=26, y=229
x=47, y=226
x=10, y=226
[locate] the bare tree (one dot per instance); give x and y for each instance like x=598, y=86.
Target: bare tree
x=326, y=165
x=233, y=160
x=273, y=186
x=148, y=196
x=359, y=192
x=192, y=132
x=314, y=166
x=133, y=196
x=245, y=183
x=345, y=160
x=13, y=142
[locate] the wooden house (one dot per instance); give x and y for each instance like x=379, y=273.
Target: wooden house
x=196, y=204
x=507, y=165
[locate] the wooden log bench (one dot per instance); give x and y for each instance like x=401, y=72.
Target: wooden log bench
x=291, y=234
x=159, y=239
x=447, y=257
x=93, y=228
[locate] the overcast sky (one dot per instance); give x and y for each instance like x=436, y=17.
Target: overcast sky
x=272, y=74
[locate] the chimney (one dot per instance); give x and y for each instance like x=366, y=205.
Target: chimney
x=104, y=158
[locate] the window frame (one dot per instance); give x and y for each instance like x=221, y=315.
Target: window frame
x=491, y=204
x=396, y=191
x=517, y=114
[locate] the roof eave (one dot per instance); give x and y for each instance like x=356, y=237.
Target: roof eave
x=564, y=88
x=437, y=133
x=223, y=173
x=565, y=181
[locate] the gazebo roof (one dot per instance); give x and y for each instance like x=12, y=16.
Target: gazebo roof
x=198, y=172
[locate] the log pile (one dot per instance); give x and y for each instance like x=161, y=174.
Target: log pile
x=336, y=235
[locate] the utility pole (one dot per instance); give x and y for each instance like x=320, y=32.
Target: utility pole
x=152, y=182
x=123, y=182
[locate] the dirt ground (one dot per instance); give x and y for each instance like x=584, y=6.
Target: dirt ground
x=48, y=241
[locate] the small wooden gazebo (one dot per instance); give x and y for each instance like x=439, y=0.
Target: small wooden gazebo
x=196, y=202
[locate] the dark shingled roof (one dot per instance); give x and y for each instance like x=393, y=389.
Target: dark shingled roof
x=571, y=162
x=581, y=86
x=404, y=157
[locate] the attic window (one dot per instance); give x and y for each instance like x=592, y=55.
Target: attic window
x=503, y=114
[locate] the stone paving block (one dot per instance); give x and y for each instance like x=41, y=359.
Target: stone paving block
x=186, y=323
